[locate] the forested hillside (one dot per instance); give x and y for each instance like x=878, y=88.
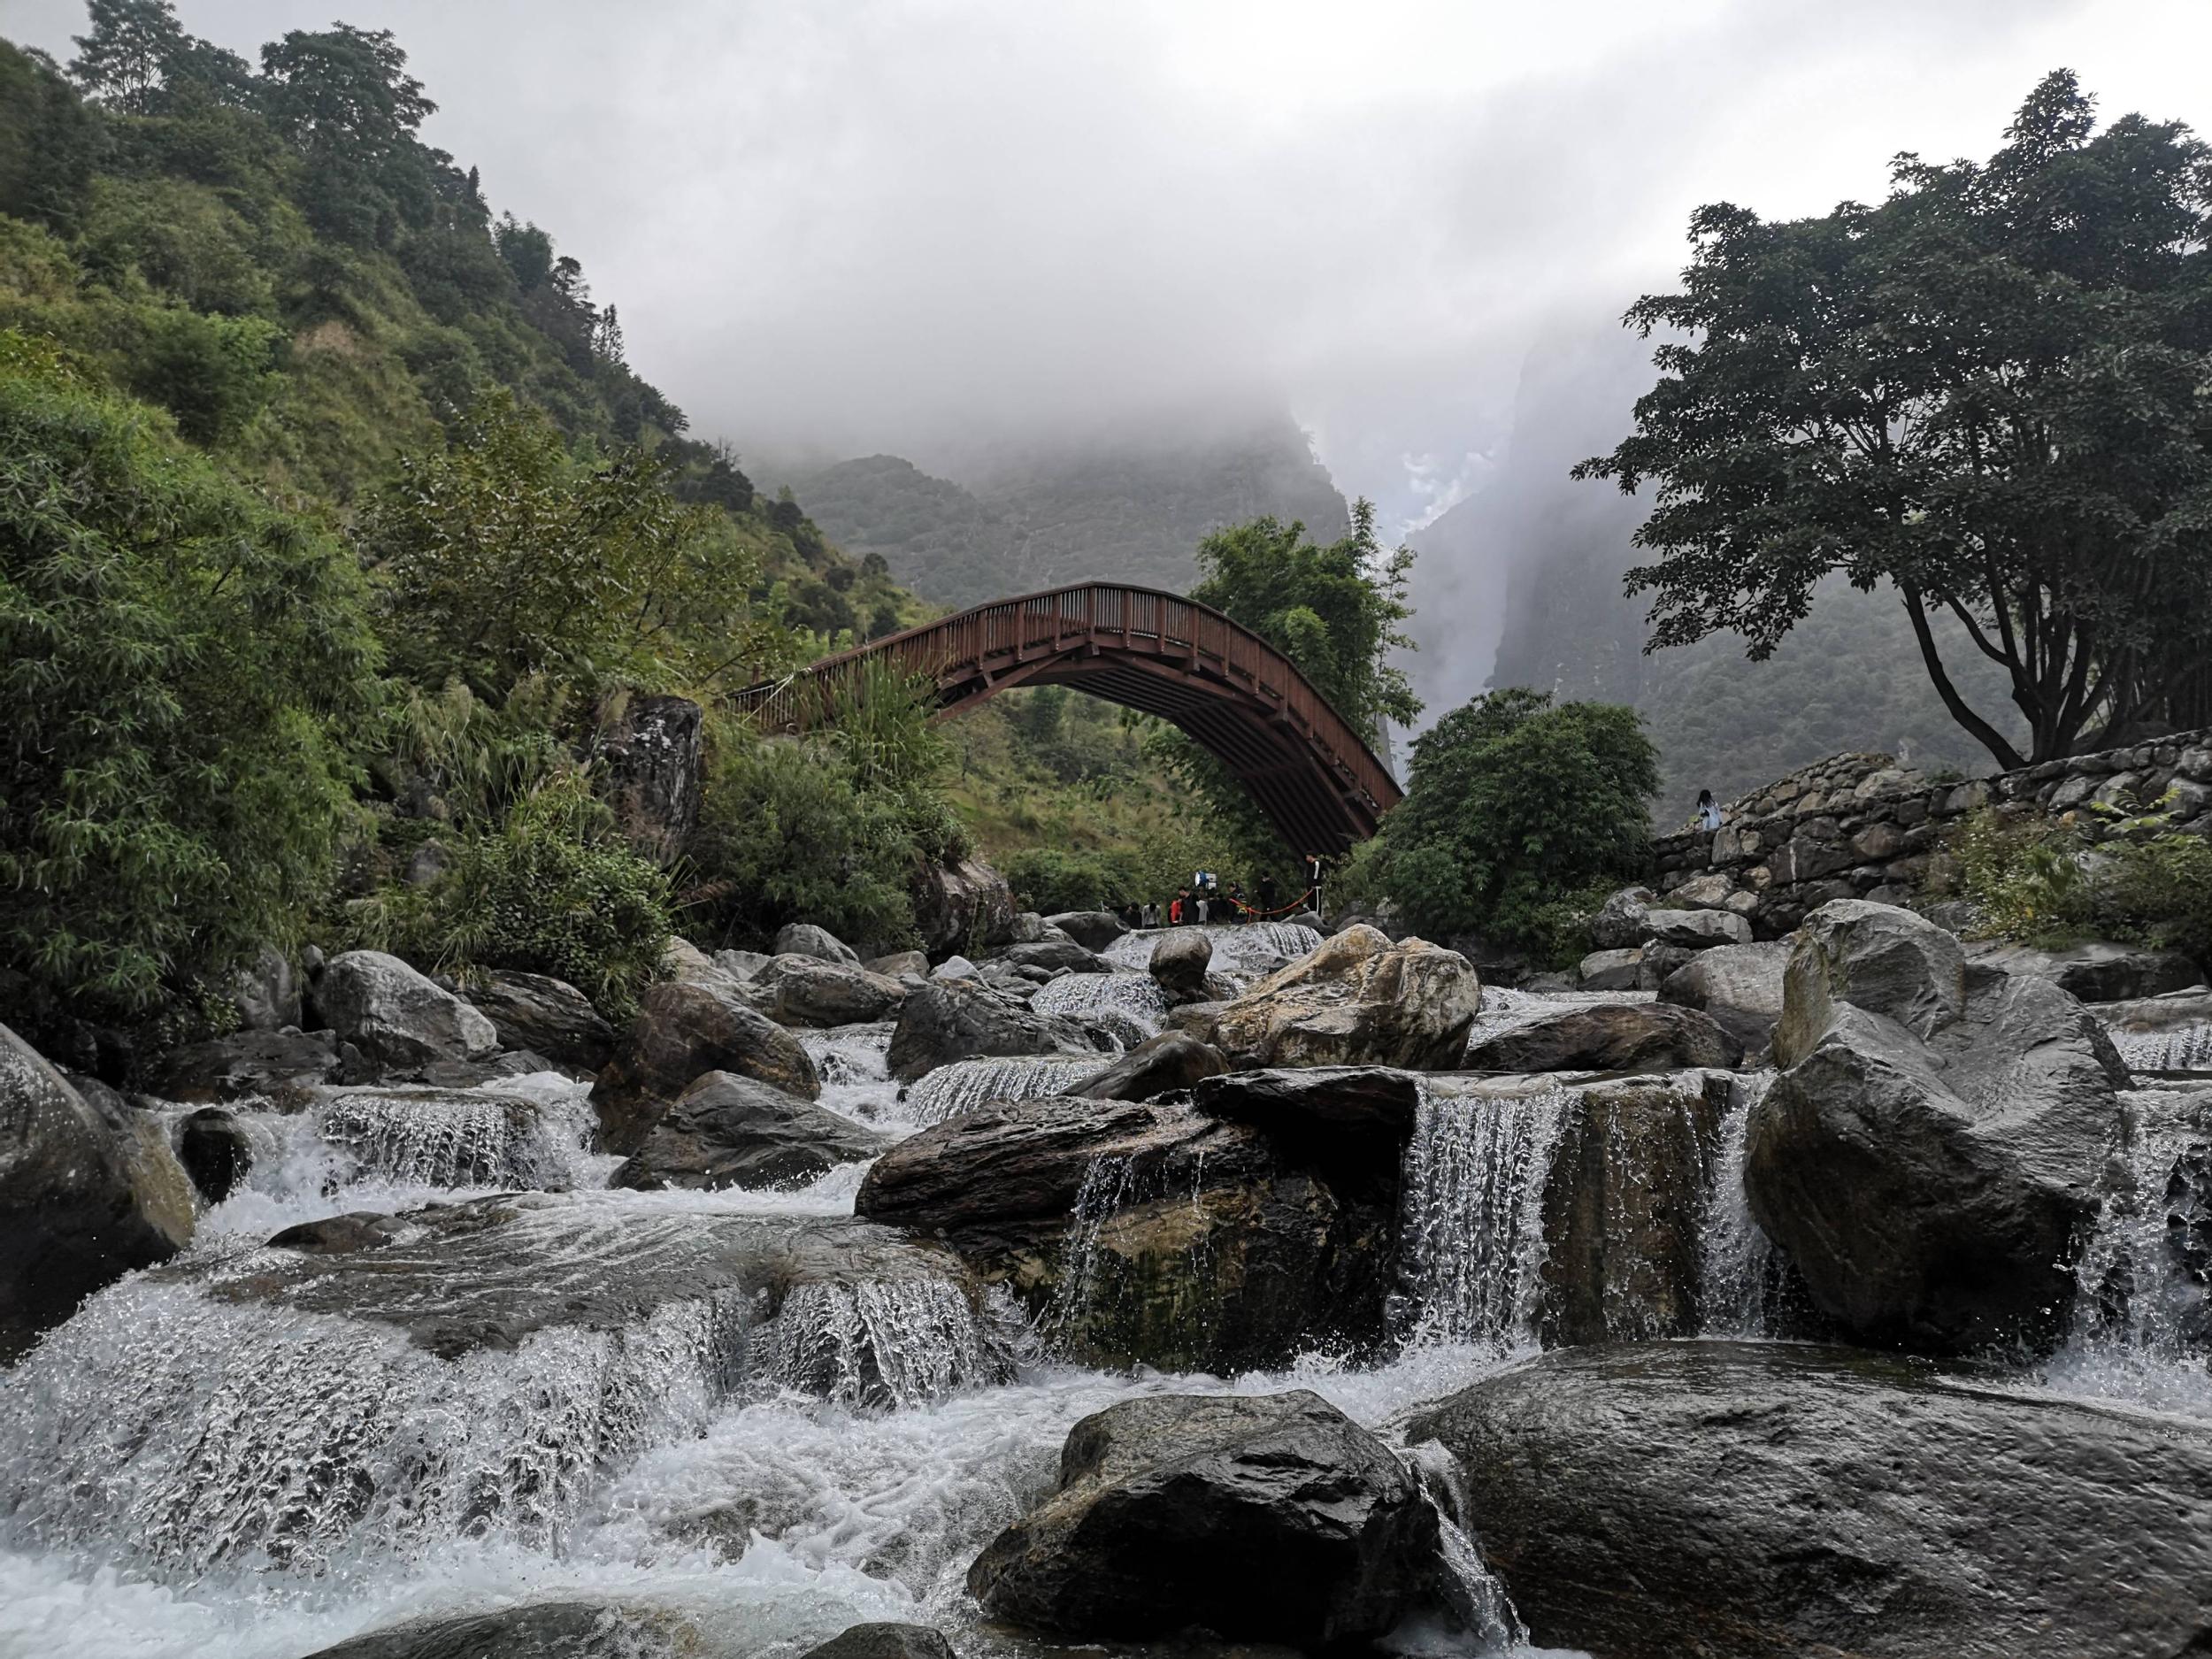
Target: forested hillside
x=1117, y=508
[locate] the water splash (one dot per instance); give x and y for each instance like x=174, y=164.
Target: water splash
x=882, y=1343
x=1470, y=1215
x=1476, y=1597
x=1736, y=1260
x=2183, y=1049
x=2141, y=1328
x=854, y=1066
x=1130, y=1006
x=964, y=1085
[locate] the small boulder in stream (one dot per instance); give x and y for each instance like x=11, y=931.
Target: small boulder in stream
x=1259, y=1518
x=1359, y=999
x=1932, y=1154
x=685, y=1029
x=1749, y=1501
x=1377, y=1101
x=806, y=990
x=805, y=939
x=1159, y=1065
x=1609, y=1037
x=397, y=1018
x=1178, y=961
x=967, y=1019
x=730, y=1130
x=215, y=1150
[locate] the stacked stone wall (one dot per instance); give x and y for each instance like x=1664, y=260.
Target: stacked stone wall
x=1860, y=827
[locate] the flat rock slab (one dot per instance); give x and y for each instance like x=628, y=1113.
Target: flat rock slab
x=1753, y=1500
x=1610, y=1037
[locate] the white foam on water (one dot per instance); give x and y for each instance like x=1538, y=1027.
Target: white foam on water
x=1244, y=952
x=1735, y=1256
x=963, y=1085
x=1131, y=1006
x=855, y=1067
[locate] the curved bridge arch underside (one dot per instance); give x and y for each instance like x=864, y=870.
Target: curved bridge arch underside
x=1307, y=767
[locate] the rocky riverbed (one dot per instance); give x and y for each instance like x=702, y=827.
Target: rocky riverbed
x=1299, y=1293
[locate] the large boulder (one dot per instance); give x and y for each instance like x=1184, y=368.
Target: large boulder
x=1932, y=1152
x=1094, y=930
x=1698, y=930
x=1749, y=1501
x=215, y=1150
x=1258, y=1518
x=962, y=904
x=89, y=1190
x=1358, y=999
x=546, y=1016
x=1609, y=1037
x=2098, y=971
x=1151, y=1233
x=397, y=1018
x=650, y=758
x=1054, y=956
x=1609, y=970
x=809, y=990
x=281, y=1067
x=1178, y=962
x=731, y=1131
x=1158, y=1065
x=683, y=1031
x=965, y=1019
x=1740, y=986
x=884, y=1641
x=805, y=939
x=1623, y=921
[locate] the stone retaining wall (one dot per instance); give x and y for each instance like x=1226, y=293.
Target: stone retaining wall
x=1860, y=827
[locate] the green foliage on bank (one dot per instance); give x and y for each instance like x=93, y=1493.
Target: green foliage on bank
x=2045, y=883
x=1519, y=814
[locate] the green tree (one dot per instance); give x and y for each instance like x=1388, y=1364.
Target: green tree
x=182, y=667
x=1334, y=611
x=1513, y=805
x=124, y=60
x=345, y=100
x=1987, y=390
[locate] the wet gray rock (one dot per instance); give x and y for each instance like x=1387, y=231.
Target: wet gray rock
x=1095, y=1214
x=650, y=760
x=89, y=1189
x=215, y=1151
x=805, y=939
x=486, y=1272
x=1054, y=955
x=1197, y=1018
x=1932, y=1152
x=682, y=1032
x=961, y=905
x=267, y=993
x=548, y=1629
x=900, y=964
x=1609, y=970
x=395, y=1018
x=546, y=1016
x=1359, y=999
x=730, y=1130
x=884, y=1641
x=1623, y=922
x=1267, y=1519
x=1178, y=961
x=964, y=1019
x=742, y=964
x=1332, y=1100
x=1740, y=986
x=1698, y=929
x=1609, y=1037
x=1749, y=1501
x=1094, y=930
x=806, y=990
x=1159, y=1065
x=2097, y=971
x=281, y=1067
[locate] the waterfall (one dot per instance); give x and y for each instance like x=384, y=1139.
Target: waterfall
x=1110, y=1185
x=1471, y=1214
x=1131, y=1006
x=455, y=1137
x=2183, y=1049
x=964, y=1085
x=1736, y=1261
x=854, y=1064
x=2142, y=1320
x=1476, y=1597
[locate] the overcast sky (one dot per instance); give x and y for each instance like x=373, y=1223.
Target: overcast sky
x=891, y=224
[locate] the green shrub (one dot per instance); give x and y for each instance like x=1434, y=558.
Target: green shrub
x=2160, y=891
x=1047, y=881
x=1514, y=807
x=181, y=666
x=2045, y=884
x=551, y=891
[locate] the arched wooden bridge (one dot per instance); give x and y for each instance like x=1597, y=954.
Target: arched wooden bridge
x=1238, y=696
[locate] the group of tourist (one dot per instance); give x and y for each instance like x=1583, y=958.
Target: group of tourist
x=1205, y=899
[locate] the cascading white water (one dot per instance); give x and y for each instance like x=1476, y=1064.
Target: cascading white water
x=883, y=1343
x=1735, y=1257
x=854, y=1064
x=1470, y=1208
x=2185, y=1049
x=2141, y=1328
x=1130, y=1006
x=454, y=1137
x=1245, y=951
x=1475, y=1596
x=964, y=1085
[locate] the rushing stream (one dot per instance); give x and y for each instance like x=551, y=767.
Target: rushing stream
x=215, y=1458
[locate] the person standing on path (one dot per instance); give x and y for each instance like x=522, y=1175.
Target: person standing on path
x=1313, y=882
x=1708, y=814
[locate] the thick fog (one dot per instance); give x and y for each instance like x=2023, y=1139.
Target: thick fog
x=921, y=226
